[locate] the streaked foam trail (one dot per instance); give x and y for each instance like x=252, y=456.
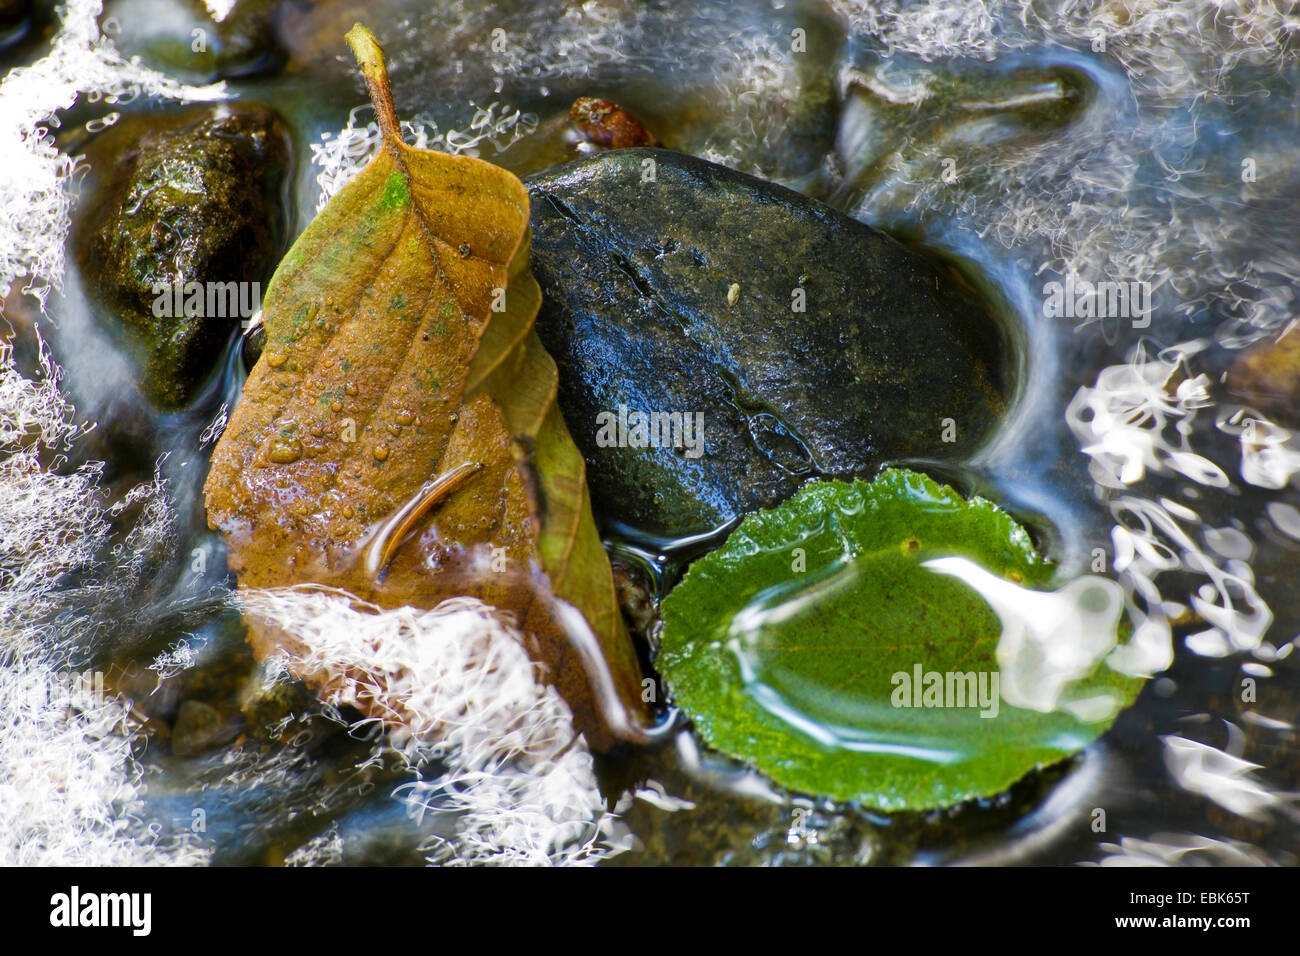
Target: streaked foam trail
x=72, y=791
x=456, y=685
x=1182, y=849
x=1124, y=423
x=342, y=155
x=1222, y=777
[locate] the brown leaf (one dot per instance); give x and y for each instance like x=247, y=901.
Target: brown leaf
x=400, y=439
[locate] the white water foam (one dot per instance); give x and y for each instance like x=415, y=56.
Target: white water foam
x=455, y=684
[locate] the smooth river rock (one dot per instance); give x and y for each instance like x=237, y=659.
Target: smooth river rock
x=811, y=344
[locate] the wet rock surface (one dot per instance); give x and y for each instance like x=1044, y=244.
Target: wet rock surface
x=195, y=202
x=810, y=344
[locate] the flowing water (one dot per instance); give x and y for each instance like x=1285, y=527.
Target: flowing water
x=1027, y=143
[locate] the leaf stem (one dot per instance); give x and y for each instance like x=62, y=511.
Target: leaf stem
x=394, y=531
x=370, y=57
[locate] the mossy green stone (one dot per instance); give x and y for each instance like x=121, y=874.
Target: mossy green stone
x=198, y=201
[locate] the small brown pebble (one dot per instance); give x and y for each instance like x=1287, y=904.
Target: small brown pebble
x=609, y=124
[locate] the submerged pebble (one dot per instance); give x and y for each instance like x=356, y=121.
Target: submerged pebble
x=1268, y=377
x=199, y=727
x=181, y=37
x=608, y=124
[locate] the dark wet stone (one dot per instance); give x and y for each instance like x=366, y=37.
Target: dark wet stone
x=679, y=294
x=248, y=39
x=196, y=202
x=198, y=728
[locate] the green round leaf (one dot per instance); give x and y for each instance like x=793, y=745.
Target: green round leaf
x=847, y=644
